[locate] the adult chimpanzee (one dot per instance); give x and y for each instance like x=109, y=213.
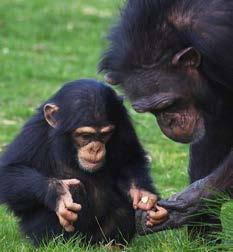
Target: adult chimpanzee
x=78, y=154
x=174, y=59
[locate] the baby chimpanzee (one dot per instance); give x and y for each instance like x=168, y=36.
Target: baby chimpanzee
x=77, y=167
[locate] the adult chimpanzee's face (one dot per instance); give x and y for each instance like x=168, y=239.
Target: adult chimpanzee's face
x=90, y=144
x=168, y=91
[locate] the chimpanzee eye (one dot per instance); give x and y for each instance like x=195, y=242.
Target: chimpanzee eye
x=87, y=136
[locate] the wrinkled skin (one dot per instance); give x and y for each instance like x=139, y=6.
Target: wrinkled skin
x=180, y=118
x=181, y=207
x=183, y=122
x=181, y=126
x=188, y=125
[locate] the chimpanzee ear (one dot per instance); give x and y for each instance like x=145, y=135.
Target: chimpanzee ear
x=50, y=110
x=113, y=78
x=188, y=57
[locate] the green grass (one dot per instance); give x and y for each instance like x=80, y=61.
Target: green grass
x=45, y=43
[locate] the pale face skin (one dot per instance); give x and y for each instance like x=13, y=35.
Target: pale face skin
x=91, y=146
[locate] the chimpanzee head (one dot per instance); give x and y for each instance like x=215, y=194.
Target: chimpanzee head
x=86, y=112
x=163, y=55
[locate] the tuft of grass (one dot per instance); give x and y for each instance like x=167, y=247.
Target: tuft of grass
x=44, y=43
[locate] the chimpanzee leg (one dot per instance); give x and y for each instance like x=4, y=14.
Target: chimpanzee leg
x=117, y=224
x=123, y=225
x=41, y=226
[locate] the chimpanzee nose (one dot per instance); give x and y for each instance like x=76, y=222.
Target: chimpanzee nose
x=95, y=148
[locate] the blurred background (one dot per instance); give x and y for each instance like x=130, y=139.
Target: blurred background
x=45, y=43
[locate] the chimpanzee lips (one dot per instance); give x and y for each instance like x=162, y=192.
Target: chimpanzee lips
x=91, y=166
x=185, y=125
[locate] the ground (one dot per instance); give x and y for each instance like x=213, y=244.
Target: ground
x=45, y=43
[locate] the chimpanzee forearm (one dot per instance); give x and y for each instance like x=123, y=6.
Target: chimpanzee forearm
x=144, y=181
x=137, y=176
x=24, y=188
x=184, y=205
x=221, y=179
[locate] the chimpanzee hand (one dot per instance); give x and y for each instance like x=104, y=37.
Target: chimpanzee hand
x=66, y=209
x=181, y=208
x=142, y=199
x=147, y=201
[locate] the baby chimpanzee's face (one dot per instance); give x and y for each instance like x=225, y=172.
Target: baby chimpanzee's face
x=90, y=144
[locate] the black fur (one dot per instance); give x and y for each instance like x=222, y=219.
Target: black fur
x=142, y=45
x=40, y=154
x=149, y=31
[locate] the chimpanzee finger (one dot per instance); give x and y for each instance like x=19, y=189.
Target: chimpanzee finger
x=159, y=215
x=149, y=224
x=152, y=223
x=141, y=206
x=68, y=215
x=175, y=205
x=63, y=221
x=64, y=213
x=136, y=199
x=141, y=218
x=175, y=220
x=151, y=202
x=156, y=222
x=74, y=207
x=167, y=223
x=69, y=229
x=67, y=199
x=71, y=182
x=162, y=226
x=66, y=224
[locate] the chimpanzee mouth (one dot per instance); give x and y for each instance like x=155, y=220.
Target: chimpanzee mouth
x=91, y=166
x=177, y=120
x=181, y=125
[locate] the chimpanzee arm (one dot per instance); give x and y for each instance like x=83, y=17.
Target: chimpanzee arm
x=131, y=157
x=136, y=174
x=23, y=188
x=183, y=206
